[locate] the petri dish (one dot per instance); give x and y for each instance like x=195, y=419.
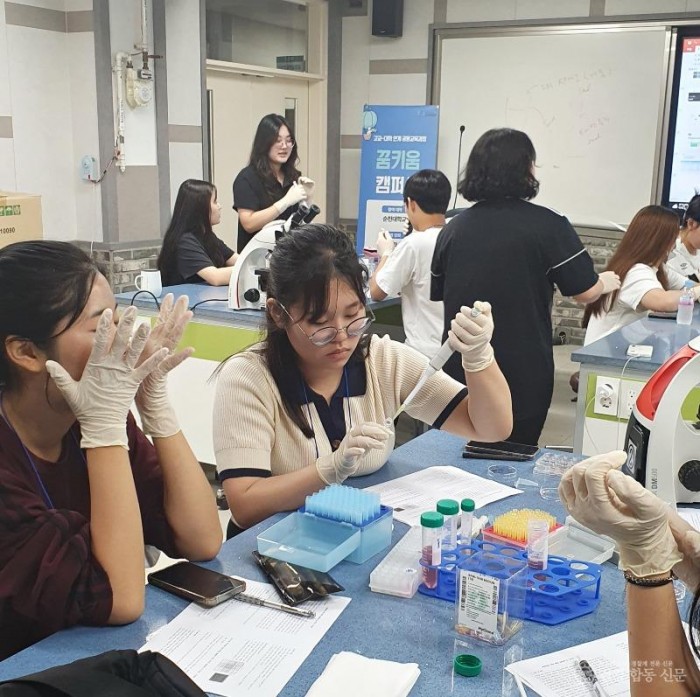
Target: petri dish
x=506, y=474
x=549, y=487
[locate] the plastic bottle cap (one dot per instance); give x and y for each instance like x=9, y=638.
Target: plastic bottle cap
x=447, y=507
x=467, y=665
x=432, y=519
x=467, y=505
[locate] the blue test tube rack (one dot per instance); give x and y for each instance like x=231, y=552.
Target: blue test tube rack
x=565, y=590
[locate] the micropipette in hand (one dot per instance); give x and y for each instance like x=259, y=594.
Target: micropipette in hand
x=435, y=364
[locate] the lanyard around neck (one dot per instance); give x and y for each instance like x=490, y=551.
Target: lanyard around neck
x=308, y=406
x=30, y=459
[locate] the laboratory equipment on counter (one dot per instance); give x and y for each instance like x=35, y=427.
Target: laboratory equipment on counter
x=663, y=445
x=536, y=594
x=537, y=543
x=247, y=288
x=450, y=511
x=431, y=551
x=435, y=364
x=338, y=522
x=465, y=533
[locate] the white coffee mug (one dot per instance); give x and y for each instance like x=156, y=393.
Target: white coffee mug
x=149, y=279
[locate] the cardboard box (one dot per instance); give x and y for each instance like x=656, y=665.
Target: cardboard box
x=20, y=217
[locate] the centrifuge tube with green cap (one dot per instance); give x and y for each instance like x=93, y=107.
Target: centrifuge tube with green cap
x=431, y=552
x=450, y=510
x=465, y=536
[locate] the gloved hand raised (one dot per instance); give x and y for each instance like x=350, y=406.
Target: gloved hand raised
x=610, y=281
x=309, y=186
x=101, y=398
x=470, y=334
x=345, y=461
x=385, y=243
x=157, y=416
x=296, y=193
x=609, y=502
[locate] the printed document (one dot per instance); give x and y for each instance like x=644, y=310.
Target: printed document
x=559, y=675
x=415, y=493
x=240, y=650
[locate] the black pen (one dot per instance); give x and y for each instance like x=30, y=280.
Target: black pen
x=591, y=677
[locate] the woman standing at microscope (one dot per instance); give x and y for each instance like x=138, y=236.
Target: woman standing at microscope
x=271, y=186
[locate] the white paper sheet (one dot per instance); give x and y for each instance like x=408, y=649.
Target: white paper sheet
x=690, y=515
x=415, y=493
x=558, y=674
x=242, y=650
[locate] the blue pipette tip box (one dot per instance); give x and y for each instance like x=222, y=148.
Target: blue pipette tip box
x=319, y=540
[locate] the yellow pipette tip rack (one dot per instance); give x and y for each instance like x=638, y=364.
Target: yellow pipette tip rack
x=511, y=527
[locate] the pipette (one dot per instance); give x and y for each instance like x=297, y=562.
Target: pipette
x=435, y=364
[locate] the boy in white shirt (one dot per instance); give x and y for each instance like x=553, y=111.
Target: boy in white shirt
x=405, y=268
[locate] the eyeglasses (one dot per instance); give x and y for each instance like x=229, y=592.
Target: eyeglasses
x=325, y=335
x=284, y=141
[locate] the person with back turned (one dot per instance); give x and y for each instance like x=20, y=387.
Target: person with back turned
x=512, y=253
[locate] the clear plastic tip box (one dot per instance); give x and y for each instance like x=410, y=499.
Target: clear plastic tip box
x=566, y=589
x=337, y=523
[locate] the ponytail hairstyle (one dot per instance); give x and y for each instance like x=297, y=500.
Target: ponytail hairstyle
x=191, y=214
x=33, y=310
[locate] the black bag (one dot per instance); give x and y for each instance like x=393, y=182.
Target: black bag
x=110, y=674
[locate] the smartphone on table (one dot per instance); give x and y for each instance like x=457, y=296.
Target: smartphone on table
x=192, y=582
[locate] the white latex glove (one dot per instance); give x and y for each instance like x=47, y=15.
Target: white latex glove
x=470, y=334
x=102, y=397
x=696, y=292
x=295, y=194
x=601, y=497
x=157, y=416
x=610, y=281
x=309, y=186
x=406, y=227
x=385, y=243
x=345, y=461
x=688, y=540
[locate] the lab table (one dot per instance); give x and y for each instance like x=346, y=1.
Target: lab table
x=217, y=332
x=606, y=361
x=417, y=630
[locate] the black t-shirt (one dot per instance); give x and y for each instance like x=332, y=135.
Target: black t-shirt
x=511, y=253
x=191, y=259
x=249, y=193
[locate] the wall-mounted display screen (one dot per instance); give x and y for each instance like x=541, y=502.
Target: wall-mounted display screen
x=682, y=175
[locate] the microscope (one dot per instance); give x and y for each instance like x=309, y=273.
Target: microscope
x=663, y=440
x=248, y=285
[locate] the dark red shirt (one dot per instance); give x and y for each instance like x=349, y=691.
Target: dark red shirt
x=49, y=578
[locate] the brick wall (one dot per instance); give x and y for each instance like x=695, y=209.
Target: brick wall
x=567, y=314
x=123, y=261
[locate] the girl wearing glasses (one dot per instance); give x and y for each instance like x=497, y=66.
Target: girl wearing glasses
x=271, y=186
x=307, y=406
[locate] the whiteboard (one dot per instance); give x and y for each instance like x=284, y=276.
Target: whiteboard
x=591, y=101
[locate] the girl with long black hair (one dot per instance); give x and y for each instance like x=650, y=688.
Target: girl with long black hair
x=191, y=252
x=309, y=405
x=82, y=489
x=271, y=186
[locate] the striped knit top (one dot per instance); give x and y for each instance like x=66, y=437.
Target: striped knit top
x=254, y=436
